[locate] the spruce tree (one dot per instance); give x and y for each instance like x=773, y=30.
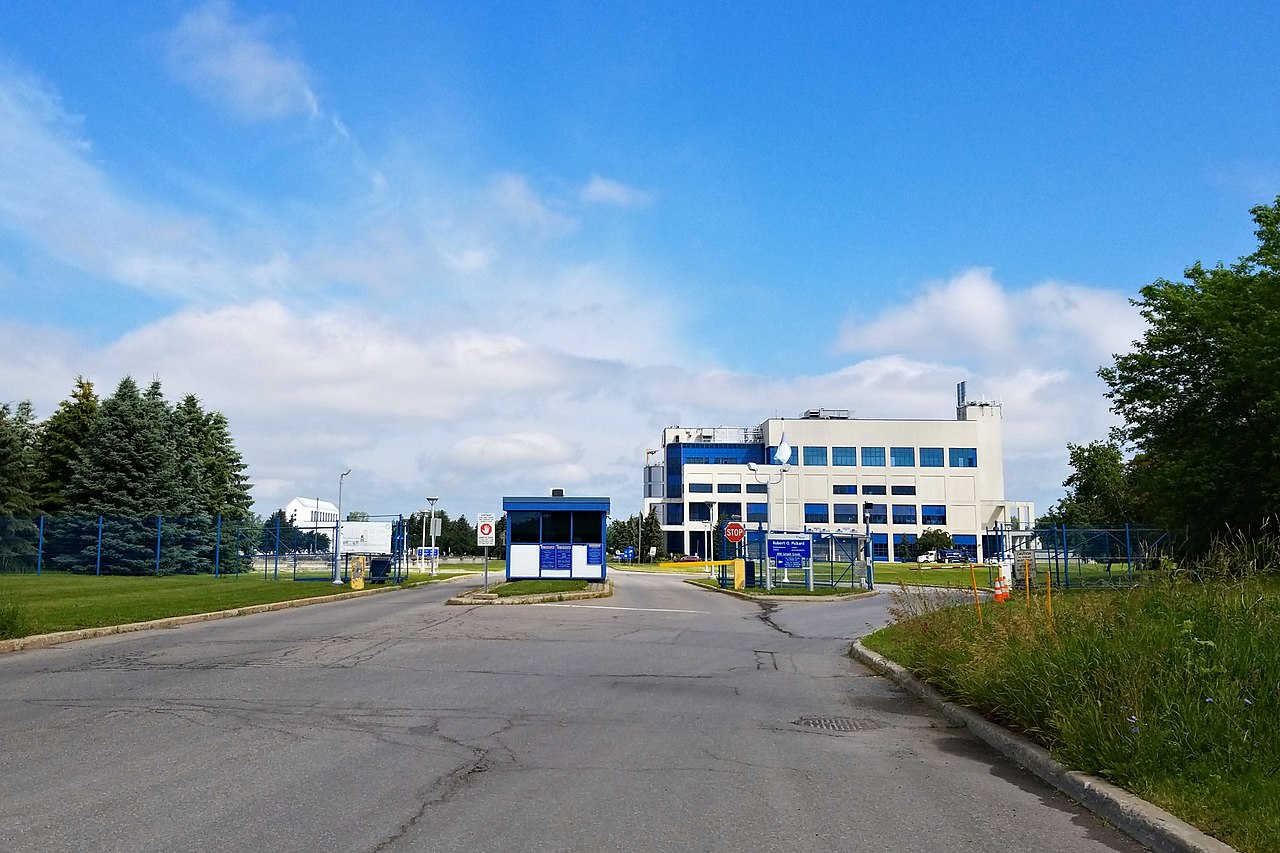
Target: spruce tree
x=18, y=433
x=62, y=436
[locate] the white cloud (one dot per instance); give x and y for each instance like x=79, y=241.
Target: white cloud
x=973, y=318
x=512, y=197
x=232, y=64
x=606, y=191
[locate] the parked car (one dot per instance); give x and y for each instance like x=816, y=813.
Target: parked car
x=690, y=558
x=952, y=555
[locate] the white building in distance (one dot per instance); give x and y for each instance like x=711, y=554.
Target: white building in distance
x=893, y=478
x=311, y=514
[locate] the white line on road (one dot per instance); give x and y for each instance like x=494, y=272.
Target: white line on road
x=610, y=607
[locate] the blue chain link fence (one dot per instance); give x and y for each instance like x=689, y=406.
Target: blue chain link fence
x=177, y=545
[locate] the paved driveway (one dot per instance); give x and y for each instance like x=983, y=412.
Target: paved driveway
x=663, y=718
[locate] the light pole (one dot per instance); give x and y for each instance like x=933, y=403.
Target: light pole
x=432, y=500
x=644, y=495
x=711, y=526
x=768, y=518
x=424, y=540
x=866, y=516
x=337, y=533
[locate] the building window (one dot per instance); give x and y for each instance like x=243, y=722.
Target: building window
x=757, y=488
x=846, y=457
x=757, y=512
x=845, y=513
x=816, y=514
x=902, y=457
x=675, y=513
x=873, y=457
x=844, y=490
x=968, y=543
x=902, y=490
x=729, y=512
x=699, y=488
x=902, y=550
x=880, y=546
x=815, y=456
x=904, y=514
x=699, y=512
x=931, y=457
x=875, y=513
x=874, y=490
x=964, y=457
x=729, y=488
x=933, y=514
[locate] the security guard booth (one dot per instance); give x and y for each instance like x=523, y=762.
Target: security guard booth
x=556, y=537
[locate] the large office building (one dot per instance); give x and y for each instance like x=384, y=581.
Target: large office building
x=889, y=478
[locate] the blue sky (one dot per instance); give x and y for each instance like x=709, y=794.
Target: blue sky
x=475, y=249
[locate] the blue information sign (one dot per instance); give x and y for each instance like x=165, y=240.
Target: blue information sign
x=790, y=551
x=547, y=557
x=628, y=553
x=564, y=556
x=595, y=555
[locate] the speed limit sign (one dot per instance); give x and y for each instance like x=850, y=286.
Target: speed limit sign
x=485, y=533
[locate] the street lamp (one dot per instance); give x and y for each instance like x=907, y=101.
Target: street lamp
x=337, y=544
x=432, y=500
x=644, y=495
x=866, y=516
x=768, y=517
x=711, y=525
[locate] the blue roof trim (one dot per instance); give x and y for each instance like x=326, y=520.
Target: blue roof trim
x=566, y=504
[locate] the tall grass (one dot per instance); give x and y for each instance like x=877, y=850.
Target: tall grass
x=1171, y=691
x=14, y=621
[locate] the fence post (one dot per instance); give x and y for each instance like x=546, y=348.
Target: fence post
x=159, y=530
x=277, y=563
x=99, y=569
x=40, y=547
x=217, y=546
x=1128, y=555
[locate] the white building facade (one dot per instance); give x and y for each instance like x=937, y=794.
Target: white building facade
x=889, y=478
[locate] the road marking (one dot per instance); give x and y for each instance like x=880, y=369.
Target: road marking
x=610, y=607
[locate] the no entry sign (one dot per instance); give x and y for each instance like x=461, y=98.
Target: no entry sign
x=734, y=531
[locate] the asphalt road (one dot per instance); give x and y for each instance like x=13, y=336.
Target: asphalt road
x=663, y=718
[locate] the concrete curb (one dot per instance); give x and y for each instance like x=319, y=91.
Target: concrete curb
x=40, y=641
x=1147, y=823
x=476, y=596
x=748, y=596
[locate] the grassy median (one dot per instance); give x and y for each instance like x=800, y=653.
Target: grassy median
x=1171, y=691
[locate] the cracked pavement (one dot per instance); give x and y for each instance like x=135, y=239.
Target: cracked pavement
x=663, y=718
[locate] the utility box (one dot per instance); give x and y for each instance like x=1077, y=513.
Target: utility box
x=556, y=537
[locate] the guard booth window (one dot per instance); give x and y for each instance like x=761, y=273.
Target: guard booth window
x=586, y=528
x=526, y=527
x=556, y=527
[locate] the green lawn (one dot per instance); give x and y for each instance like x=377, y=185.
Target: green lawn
x=55, y=601
x=538, y=587
x=781, y=590
x=932, y=575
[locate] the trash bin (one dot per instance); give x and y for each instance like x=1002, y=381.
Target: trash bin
x=379, y=569
x=751, y=573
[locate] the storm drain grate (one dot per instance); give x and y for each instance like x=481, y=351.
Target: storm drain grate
x=839, y=724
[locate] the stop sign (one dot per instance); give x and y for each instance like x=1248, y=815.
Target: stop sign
x=734, y=531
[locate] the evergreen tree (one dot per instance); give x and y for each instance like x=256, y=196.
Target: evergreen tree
x=62, y=436
x=128, y=473
x=226, y=485
x=18, y=433
x=17, y=480
x=653, y=536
